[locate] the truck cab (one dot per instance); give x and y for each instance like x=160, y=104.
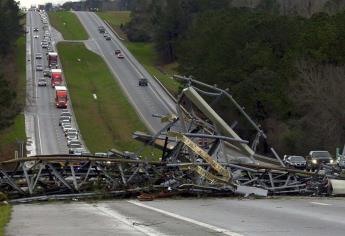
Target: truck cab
x=56, y=77
x=61, y=98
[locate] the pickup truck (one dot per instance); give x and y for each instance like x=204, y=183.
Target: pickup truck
x=316, y=158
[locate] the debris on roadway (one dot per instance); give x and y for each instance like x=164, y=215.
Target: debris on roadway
x=201, y=154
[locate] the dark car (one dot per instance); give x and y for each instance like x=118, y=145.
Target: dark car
x=101, y=29
x=117, y=51
x=143, y=82
x=316, y=158
x=46, y=72
x=295, y=161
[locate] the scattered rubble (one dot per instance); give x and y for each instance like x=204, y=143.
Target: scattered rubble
x=201, y=154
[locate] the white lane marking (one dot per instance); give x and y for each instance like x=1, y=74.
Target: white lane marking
x=202, y=224
x=39, y=135
x=320, y=203
x=115, y=215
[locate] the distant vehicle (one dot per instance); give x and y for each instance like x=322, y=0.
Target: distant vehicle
x=316, y=158
x=39, y=67
x=105, y=34
x=341, y=161
x=101, y=154
x=46, y=72
x=107, y=37
x=61, y=98
x=72, y=139
x=65, y=124
x=42, y=82
x=120, y=55
x=64, y=119
x=71, y=131
x=52, y=59
x=295, y=161
x=73, y=145
x=66, y=127
x=44, y=45
x=38, y=55
x=65, y=114
x=36, y=36
x=117, y=51
x=143, y=82
x=76, y=151
x=35, y=29
x=101, y=29
x=56, y=77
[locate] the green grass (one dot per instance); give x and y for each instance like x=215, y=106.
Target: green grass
x=116, y=19
x=144, y=52
x=68, y=24
x=5, y=214
x=15, y=132
x=108, y=121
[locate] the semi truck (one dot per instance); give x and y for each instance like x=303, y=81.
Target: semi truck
x=52, y=59
x=56, y=77
x=61, y=98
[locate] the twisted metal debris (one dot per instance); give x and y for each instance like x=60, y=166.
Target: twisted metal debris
x=201, y=154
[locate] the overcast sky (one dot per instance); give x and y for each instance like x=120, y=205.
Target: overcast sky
x=28, y=3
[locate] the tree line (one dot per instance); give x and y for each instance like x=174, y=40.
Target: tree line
x=287, y=71
x=10, y=30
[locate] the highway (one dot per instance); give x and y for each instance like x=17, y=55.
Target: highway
x=146, y=100
x=41, y=115
x=266, y=217
x=216, y=216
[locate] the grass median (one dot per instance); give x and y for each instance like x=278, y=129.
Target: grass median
x=144, y=52
x=68, y=24
x=5, y=214
x=105, y=117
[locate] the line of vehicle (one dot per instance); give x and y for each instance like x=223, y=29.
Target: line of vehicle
x=189, y=220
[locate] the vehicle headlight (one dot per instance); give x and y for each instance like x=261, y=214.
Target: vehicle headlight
x=331, y=161
x=314, y=161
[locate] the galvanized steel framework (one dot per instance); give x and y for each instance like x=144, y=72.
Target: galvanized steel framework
x=201, y=153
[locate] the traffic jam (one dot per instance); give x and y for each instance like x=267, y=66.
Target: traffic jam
x=50, y=76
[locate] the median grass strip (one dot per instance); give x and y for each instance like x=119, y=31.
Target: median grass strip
x=143, y=52
x=68, y=24
x=109, y=120
x=10, y=135
x=5, y=214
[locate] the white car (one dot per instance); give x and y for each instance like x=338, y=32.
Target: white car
x=36, y=36
x=42, y=82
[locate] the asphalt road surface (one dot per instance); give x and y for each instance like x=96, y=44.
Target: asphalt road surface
x=268, y=217
x=41, y=115
x=146, y=100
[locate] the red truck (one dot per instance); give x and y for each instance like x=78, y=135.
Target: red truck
x=56, y=77
x=61, y=98
x=52, y=59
